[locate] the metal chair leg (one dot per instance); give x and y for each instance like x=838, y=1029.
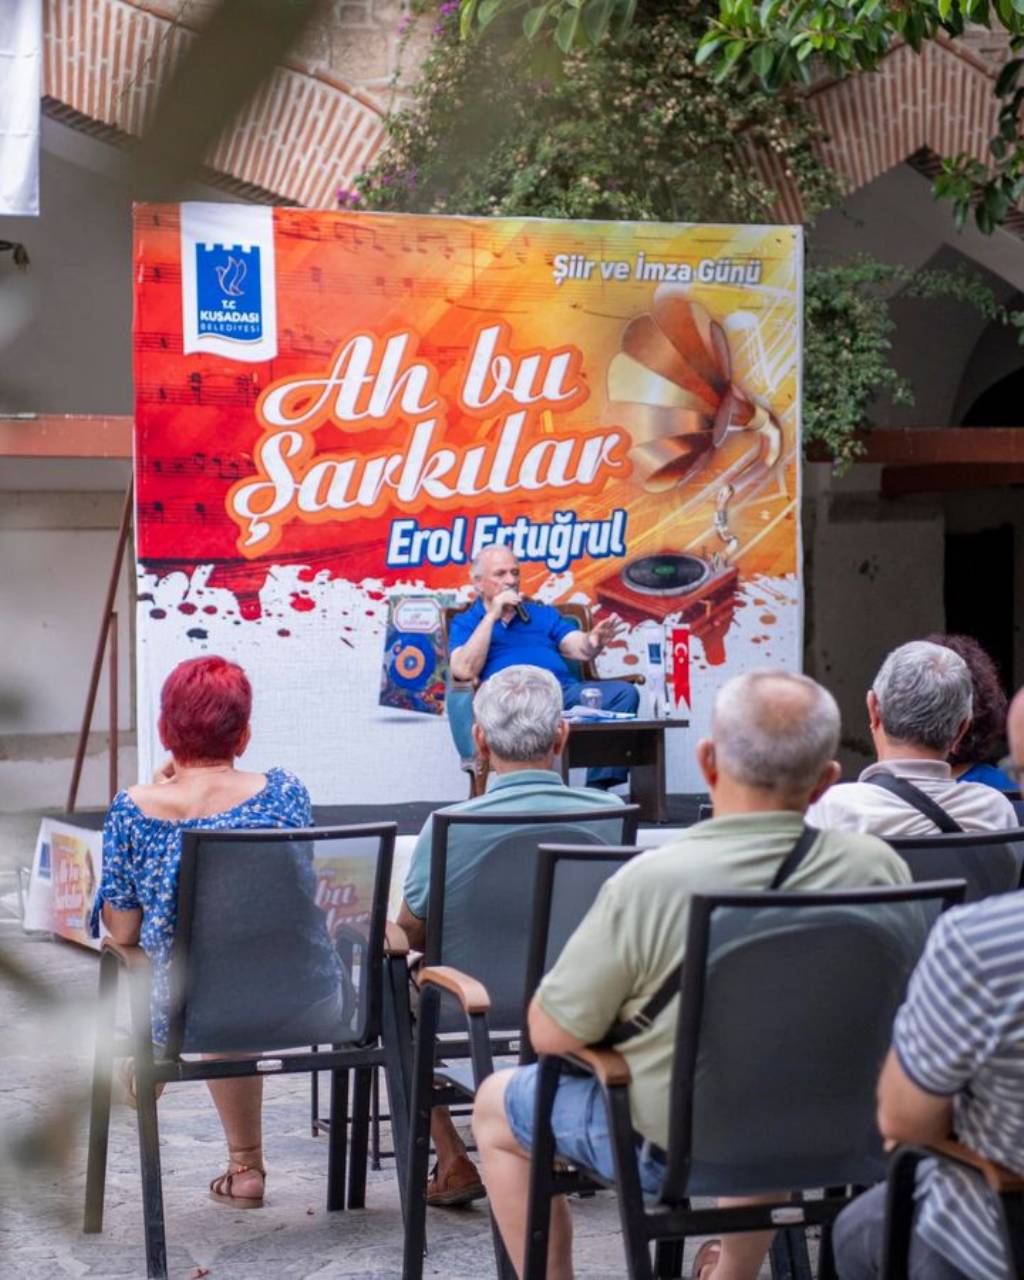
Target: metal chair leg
x=627, y=1180
x=99, y=1111
x=668, y=1259
x=419, y=1136
x=357, y=1155
x=337, y=1140
x=314, y=1098
x=375, y=1123
x=542, y=1155
x=152, y=1184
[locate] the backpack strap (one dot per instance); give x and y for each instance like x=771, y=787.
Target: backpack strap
x=917, y=799
x=640, y=1021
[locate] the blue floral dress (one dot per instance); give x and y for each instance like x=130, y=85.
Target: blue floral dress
x=141, y=857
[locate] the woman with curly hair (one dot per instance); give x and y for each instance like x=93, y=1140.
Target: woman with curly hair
x=972, y=755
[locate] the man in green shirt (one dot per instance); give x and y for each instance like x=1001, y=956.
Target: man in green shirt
x=773, y=736
x=518, y=727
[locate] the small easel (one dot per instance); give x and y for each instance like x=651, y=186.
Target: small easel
x=106, y=643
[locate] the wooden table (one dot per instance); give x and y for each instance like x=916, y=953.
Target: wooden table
x=639, y=745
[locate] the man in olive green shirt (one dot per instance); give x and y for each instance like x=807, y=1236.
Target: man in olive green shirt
x=770, y=754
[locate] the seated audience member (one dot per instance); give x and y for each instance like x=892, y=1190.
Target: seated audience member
x=919, y=709
x=205, y=706
x=519, y=728
x=956, y=1066
x=773, y=736
x=972, y=757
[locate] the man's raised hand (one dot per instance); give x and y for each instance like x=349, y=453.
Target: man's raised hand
x=604, y=631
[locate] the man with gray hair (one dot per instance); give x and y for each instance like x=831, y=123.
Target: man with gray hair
x=518, y=727
x=773, y=736
x=919, y=707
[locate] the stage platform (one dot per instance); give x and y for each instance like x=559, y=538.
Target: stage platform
x=681, y=807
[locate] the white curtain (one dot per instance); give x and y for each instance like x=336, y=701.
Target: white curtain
x=21, y=65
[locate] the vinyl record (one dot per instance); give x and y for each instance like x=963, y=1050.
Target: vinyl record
x=411, y=662
x=668, y=574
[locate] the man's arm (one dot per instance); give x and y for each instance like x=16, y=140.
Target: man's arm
x=908, y=1113
x=415, y=928
x=582, y=646
x=546, y=1035
x=469, y=659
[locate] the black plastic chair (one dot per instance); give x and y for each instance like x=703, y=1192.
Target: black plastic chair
x=304, y=982
x=1006, y=1188
x=787, y=1001
x=477, y=939
x=989, y=862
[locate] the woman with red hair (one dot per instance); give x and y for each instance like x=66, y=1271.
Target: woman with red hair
x=205, y=705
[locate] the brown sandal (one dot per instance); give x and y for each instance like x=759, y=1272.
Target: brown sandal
x=220, y=1188
x=707, y=1259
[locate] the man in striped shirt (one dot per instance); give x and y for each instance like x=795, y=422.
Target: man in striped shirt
x=956, y=1065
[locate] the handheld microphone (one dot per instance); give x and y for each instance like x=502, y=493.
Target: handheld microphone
x=521, y=611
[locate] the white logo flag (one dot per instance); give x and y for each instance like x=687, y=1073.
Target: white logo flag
x=21, y=64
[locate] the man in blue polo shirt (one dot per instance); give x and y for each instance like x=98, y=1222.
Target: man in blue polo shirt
x=493, y=634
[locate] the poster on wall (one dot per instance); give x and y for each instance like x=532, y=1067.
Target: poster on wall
x=336, y=411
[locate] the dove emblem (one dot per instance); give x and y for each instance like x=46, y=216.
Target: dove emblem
x=230, y=277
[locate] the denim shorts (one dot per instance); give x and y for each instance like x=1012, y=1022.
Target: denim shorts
x=579, y=1121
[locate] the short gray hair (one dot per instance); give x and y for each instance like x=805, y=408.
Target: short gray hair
x=775, y=730
x=519, y=710
x=476, y=564
x=924, y=694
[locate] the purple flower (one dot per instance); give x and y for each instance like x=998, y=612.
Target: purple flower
x=449, y=7
x=438, y=29
x=404, y=25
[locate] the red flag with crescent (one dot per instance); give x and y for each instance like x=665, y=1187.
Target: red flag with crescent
x=681, y=666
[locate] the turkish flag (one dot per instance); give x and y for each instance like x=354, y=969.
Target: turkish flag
x=681, y=666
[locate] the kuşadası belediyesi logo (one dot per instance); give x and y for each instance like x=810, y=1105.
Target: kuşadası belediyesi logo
x=228, y=298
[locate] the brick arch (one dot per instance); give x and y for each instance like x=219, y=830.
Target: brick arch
x=939, y=101
x=302, y=136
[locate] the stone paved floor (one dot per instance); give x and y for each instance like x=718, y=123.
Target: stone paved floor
x=44, y=1071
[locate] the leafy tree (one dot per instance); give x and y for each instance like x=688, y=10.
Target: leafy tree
x=776, y=44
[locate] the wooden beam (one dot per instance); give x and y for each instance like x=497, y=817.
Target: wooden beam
x=65, y=435
x=920, y=446
x=950, y=477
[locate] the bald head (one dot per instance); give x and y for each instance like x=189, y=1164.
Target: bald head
x=775, y=731
x=1015, y=728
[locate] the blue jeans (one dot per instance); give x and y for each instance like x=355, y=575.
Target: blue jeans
x=617, y=696
x=857, y=1239
x=579, y=1122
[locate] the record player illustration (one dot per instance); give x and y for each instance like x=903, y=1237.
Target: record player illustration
x=672, y=386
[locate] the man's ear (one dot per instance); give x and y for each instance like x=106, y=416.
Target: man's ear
x=959, y=736
x=561, y=737
x=244, y=741
x=874, y=715
x=707, y=763
x=480, y=742
x=830, y=775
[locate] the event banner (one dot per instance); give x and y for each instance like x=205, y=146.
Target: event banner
x=335, y=412
x=66, y=872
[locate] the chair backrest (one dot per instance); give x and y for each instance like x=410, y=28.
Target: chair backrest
x=989, y=861
x=786, y=1014
x=483, y=873
x=569, y=878
x=279, y=938
x=1018, y=805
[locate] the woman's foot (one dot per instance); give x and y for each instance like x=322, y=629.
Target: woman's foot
x=241, y=1187
x=458, y=1183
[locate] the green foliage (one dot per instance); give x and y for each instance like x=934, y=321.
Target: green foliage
x=632, y=129
x=847, y=340
x=777, y=43
x=635, y=130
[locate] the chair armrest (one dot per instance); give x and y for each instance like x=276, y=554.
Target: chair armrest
x=1000, y=1179
x=395, y=941
x=133, y=958
x=472, y=995
x=610, y=1067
